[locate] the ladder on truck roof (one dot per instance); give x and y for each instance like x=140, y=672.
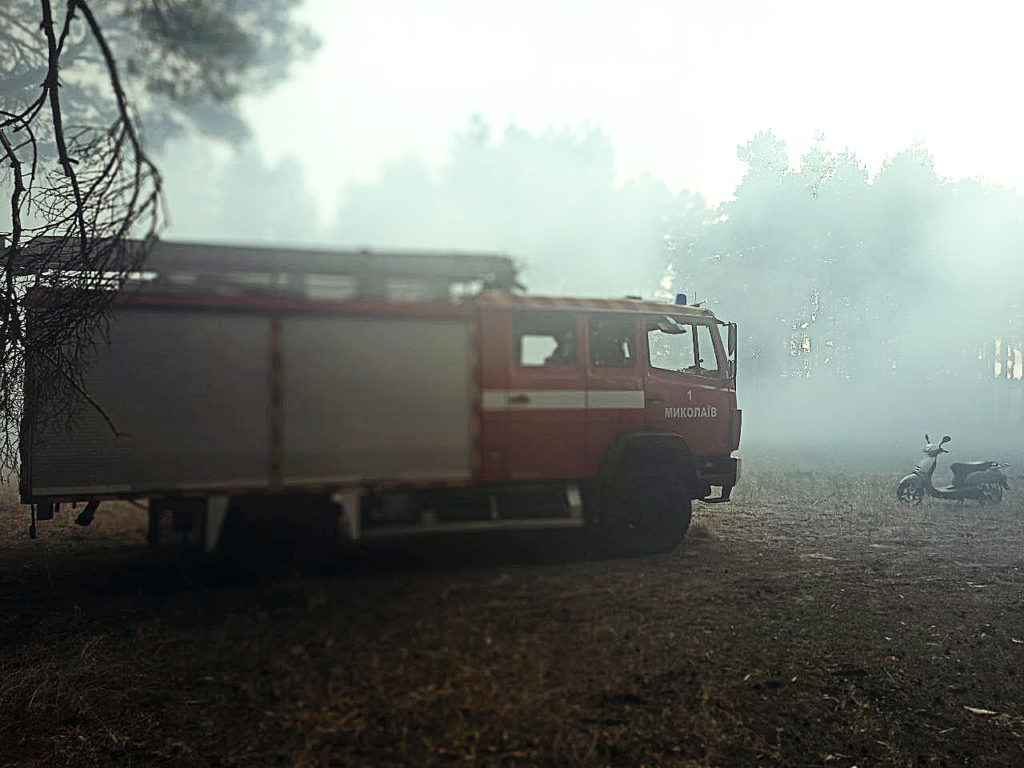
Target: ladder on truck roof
x=189, y=267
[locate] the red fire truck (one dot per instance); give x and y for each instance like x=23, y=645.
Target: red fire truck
x=396, y=393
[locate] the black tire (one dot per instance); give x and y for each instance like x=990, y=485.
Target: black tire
x=910, y=492
x=991, y=493
x=647, y=509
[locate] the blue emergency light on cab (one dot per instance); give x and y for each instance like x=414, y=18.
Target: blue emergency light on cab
x=681, y=299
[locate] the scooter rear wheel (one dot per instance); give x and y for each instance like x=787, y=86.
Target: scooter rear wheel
x=990, y=494
x=909, y=491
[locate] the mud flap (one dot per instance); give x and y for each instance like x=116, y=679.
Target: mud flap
x=349, y=521
x=213, y=521
x=723, y=497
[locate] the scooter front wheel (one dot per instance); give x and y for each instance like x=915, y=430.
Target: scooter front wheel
x=909, y=491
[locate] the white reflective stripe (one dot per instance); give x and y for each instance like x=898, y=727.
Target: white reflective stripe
x=546, y=400
x=494, y=399
x=561, y=399
x=615, y=398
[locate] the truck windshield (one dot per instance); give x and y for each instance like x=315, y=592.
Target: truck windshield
x=692, y=352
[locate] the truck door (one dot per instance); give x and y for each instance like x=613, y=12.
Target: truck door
x=685, y=383
x=615, y=381
x=493, y=339
x=545, y=403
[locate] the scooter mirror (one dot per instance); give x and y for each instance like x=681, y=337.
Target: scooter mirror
x=926, y=438
x=945, y=440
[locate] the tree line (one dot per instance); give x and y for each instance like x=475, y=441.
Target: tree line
x=837, y=276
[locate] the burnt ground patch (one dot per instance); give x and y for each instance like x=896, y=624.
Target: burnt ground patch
x=812, y=622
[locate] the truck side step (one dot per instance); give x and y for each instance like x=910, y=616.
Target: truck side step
x=471, y=525
x=552, y=507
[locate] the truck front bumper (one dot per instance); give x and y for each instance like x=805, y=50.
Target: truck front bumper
x=723, y=471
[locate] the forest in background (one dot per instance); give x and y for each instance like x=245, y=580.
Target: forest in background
x=871, y=306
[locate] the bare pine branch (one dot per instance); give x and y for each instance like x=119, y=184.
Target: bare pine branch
x=79, y=231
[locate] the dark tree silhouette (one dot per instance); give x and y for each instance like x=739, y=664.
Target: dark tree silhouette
x=183, y=61
x=84, y=200
x=84, y=206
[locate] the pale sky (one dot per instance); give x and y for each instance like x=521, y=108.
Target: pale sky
x=677, y=85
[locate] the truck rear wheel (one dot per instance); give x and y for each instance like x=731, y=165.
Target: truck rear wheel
x=646, y=511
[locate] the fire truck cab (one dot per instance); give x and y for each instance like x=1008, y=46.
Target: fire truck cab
x=634, y=400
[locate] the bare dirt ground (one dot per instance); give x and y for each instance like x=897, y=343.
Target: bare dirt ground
x=811, y=622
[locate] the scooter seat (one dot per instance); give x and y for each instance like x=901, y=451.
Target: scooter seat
x=963, y=467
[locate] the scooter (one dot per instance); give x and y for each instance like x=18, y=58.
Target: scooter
x=979, y=481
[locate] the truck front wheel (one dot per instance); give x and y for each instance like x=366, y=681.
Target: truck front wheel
x=648, y=510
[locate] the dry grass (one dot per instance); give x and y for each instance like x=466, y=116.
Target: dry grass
x=813, y=621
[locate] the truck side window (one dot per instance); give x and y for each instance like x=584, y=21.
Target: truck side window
x=612, y=342
x=546, y=339
x=686, y=349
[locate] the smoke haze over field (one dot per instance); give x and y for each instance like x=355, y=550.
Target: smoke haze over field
x=872, y=307
x=873, y=268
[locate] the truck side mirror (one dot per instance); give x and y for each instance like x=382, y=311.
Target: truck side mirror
x=732, y=339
